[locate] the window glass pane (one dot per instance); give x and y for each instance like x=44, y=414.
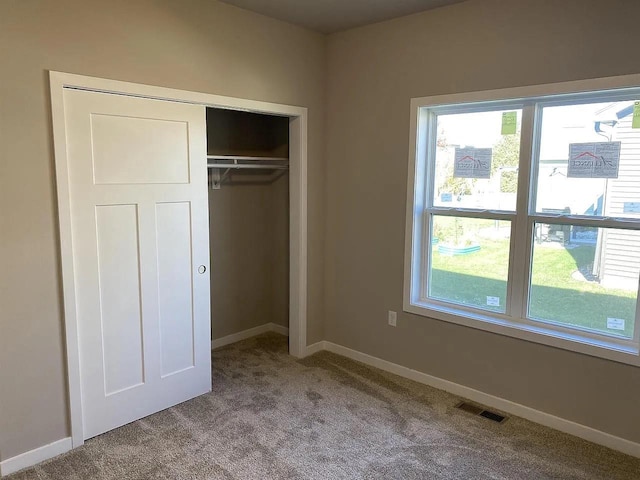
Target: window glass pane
x=469, y=261
x=574, y=175
x=585, y=277
x=477, y=157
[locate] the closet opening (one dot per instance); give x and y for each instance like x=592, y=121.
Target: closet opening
x=248, y=174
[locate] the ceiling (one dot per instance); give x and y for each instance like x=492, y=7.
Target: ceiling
x=329, y=16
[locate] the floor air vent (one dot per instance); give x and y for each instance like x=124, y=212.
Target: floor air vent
x=475, y=410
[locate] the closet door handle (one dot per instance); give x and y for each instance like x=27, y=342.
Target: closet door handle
x=202, y=269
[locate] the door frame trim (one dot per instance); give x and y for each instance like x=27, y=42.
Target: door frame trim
x=58, y=82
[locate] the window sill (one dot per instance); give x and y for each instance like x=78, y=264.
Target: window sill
x=541, y=333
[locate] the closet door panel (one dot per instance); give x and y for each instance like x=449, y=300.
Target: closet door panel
x=120, y=298
x=163, y=158
x=173, y=224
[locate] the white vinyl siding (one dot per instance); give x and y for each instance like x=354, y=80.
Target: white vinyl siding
x=621, y=259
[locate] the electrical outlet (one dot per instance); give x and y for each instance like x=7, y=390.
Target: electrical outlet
x=393, y=317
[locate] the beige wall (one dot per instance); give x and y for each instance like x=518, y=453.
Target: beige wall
x=279, y=257
x=249, y=241
x=198, y=45
x=373, y=73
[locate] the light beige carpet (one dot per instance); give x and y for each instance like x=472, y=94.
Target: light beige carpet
x=326, y=417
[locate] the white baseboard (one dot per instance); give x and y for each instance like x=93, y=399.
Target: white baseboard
x=251, y=332
x=315, y=348
x=33, y=457
x=542, y=418
x=279, y=329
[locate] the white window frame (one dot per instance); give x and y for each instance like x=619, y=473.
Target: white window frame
x=514, y=322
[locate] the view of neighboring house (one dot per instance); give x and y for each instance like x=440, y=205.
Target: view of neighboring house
x=617, y=259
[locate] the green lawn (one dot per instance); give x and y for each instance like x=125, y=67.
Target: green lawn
x=555, y=295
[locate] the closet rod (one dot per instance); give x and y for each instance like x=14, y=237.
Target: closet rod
x=254, y=167
x=244, y=158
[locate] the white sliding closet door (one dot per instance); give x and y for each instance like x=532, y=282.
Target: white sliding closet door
x=139, y=214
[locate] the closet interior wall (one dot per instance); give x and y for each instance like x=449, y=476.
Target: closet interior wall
x=249, y=225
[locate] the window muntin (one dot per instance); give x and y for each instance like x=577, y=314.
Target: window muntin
x=427, y=293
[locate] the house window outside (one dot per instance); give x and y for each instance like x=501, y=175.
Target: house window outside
x=524, y=216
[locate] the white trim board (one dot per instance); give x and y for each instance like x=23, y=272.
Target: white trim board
x=542, y=418
x=58, y=82
x=316, y=347
x=251, y=332
x=33, y=457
